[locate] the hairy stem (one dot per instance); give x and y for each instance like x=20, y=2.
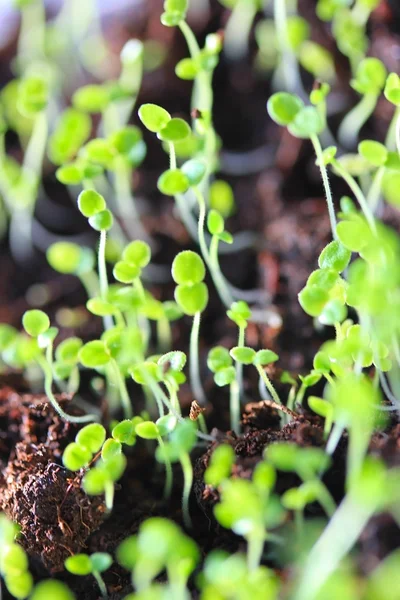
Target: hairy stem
x=168, y=469
x=355, y=188
x=269, y=386
x=194, y=364
x=324, y=174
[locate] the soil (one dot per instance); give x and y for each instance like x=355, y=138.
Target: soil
x=281, y=202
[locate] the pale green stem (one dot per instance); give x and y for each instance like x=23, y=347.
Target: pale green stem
x=31, y=41
x=355, y=119
x=187, y=470
x=123, y=392
x=46, y=366
x=125, y=201
x=90, y=282
x=109, y=495
x=300, y=394
x=398, y=134
x=268, y=384
x=168, y=469
x=255, y=547
x=289, y=65
x=324, y=174
x=375, y=190
x=234, y=405
x=355, y=188
x=326, y=500
x=100, y=583
x=194, y=364
x=164, y=334
x=390, y=139
x=334, y=438
x=239, y=366
x=238, y=27
x=102, y=265
x=211, y=261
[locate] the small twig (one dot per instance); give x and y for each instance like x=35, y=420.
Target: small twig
x=281, y=407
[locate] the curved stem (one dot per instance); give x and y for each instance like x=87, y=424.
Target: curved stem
x=375, y=189
x=211, y=260
x=355, y=119
x=102, y=265
x=45, y=365
x=194, y=364
x=238, y=27
x=255, y=547
x=125, y=399
x=355, y=188
x=268, y=384
x=187, y=470
x=109, y=495
x=239, y=366
x=90, y=282
x=324, y=174
x=100, y=583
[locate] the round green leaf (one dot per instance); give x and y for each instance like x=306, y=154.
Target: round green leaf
x=306, y=123
x=64, y=257
x=79, y=564
x=91, y=437
x=91, y=98
x=137, y=253
x=90, y=203
x=218, y=358
x=173, y=182
x=102, y=221
x=110, y=449
x=194, y=171
x=334, y=256
x=225, y=376
x=175, y=130
x=51, y=588
x=94, y=354
x=243, y=354
x=187, y=69
x=265, y=357
x=373, y=152
x=153, y=117
x=147, y=430
x=188, y=268
x=35, y=322
x=124, y=432
x=283, y=107
x=101, y=561
x=76, y=457
x=313, y=299
x=126, y=272
x=192, y=298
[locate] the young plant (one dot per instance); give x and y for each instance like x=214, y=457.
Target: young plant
x=240, y=314
x=181, y=441
x=191, y=294
x=304, y=122
x=155, y=431
x=102, y=477
x=52, y=588
x=95, y=564
x=250, y=510
x=219, y=362
x=160, y=545
x=37, y=324
x=14, y=568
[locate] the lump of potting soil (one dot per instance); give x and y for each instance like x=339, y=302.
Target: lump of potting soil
x=47, y=501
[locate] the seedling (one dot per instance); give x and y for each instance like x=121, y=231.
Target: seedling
x=220, y=465
x=95, y=564
x=249, y=509
x=51, y=588
x=220, y=362
x=155, y=431
x=240, y=314
x=160, y=545
x=13, y=561
x=37, y=324
x=191, y=294
x=177, y=449
x=102, y=478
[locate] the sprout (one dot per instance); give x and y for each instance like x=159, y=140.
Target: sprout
x=13, y=561
x=102, y=477
x=220, y=465
x=154, y=431
x=95, y=564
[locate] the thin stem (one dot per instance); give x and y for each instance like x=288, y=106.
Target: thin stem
x=239, y=366
x=355, y=119
x=355, y=188
x=390, y=139
x=90, y=282
x=211, y=261
x=194, y=364
x=100, y=583
x=326, y=500
x=224, y=290
x=255, y=548
x=46, y=366
x=123, y=392
x=187, y=470
x=324, y=174
x=102, y=265
x=125, y=201
x=288, y=62
x=334, y=438
x=269, y=385
x=238, y=28
x=398, y=133
x=234, y=405
x=168, y=469
x=375, y=189
x=109, y=495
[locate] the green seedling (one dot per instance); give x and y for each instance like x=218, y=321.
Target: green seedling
x=228, y=576
x=102, y=477
x=37, y=324
x=159, y=545
x=181, y=441
x=51, y=588
x=13, y=561
x=220, y=362
x=95, y=564
x=372, y=490
x=369, y=81
x=220, y=467
x=191, y=294
x=250, y=510
x=87, y=444
x=240, y=314
x=304, y=122
x=155, y=431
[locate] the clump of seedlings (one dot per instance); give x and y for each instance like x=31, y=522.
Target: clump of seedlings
x=158, y=402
